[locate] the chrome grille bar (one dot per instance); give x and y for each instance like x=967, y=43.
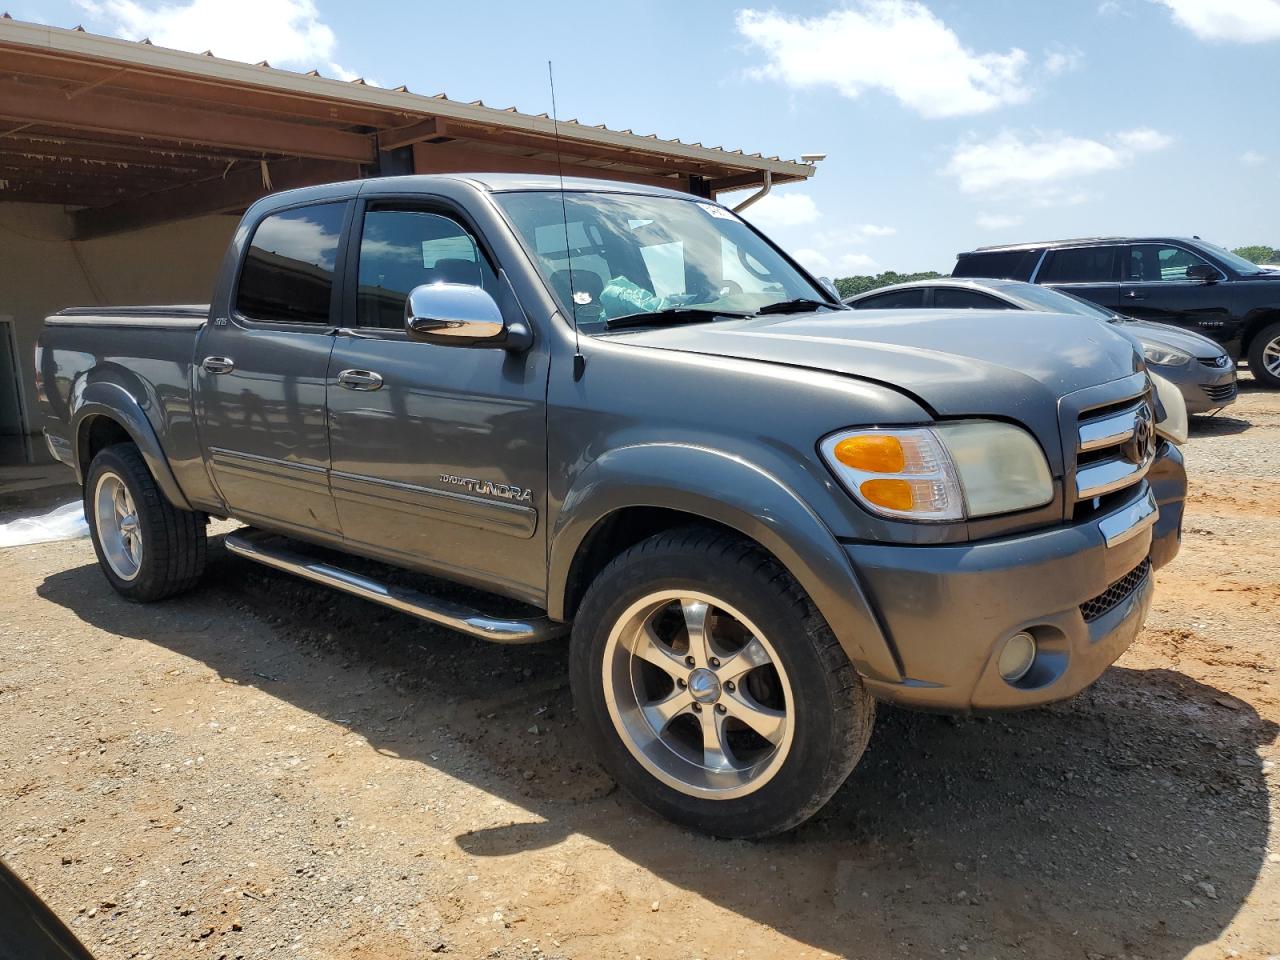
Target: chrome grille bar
x=1117, y=447
x=1108, y=431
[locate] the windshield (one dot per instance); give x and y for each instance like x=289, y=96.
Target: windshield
x=629, y=254
x=1057, y=301
x=1237, y=263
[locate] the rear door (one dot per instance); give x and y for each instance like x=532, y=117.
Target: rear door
x=260, y=374
x=438, y=452
x=1155, y=286
x=1089, y=272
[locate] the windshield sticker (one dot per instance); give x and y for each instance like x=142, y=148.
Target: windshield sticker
x=719, y=212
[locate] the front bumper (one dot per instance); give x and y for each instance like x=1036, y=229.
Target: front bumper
x=1203, y=387
x=948, y=610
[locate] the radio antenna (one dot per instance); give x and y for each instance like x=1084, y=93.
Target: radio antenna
x=579, y=361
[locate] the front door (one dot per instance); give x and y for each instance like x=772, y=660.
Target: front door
x=438, y=452
x=1155, y=286
x=260, y=375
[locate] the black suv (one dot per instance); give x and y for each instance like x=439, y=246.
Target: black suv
x=1185, y=282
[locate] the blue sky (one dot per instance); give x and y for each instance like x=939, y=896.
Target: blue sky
x=947, y=124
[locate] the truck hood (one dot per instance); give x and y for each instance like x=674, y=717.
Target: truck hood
x=956, y=363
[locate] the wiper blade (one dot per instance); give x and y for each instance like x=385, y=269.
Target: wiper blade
x=671, y=315
x=799, y=305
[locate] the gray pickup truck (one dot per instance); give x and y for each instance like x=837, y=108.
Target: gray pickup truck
x=757, y=511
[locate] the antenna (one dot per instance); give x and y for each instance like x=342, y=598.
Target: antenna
x=579, y=361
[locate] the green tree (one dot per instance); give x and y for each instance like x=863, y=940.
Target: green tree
x=850, y=286
x=1258, y=253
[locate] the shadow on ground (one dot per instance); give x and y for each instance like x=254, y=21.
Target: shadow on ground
x=1131, y=820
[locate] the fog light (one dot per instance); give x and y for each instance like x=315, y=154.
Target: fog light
x=1018, y=655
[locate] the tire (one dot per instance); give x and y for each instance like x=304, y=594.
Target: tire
x=633, y=695
x=1264, y=356
x=162, y=551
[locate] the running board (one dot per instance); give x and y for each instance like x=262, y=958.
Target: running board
x=273, y=551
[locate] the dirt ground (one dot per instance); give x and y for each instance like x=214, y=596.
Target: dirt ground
x=267, y=768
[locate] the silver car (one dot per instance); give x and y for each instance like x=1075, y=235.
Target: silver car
x=1201, y=368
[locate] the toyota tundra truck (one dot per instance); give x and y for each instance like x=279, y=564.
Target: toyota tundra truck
x=755, y=511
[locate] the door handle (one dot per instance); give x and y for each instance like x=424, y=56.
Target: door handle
x=360, y=379
x=1134, y=295
x=218, y=365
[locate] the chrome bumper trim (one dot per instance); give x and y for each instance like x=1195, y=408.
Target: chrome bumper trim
x=1128, y=522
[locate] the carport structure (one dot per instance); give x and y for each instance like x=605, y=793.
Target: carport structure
x=103, y=140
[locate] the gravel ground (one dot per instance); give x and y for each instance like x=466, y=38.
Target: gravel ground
x=265, y=768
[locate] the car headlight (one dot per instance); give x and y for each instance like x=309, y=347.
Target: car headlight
x=949, y=471
x=1164, y=356
x=1174, y=425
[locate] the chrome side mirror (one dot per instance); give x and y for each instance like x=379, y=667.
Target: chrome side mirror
x=829, y=285
x=454, y=314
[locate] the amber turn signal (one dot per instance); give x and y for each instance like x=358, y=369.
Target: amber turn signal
x=873, y=453
x=893, y=494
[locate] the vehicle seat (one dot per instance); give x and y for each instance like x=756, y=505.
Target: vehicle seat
x=568, y=282
x=455, y=270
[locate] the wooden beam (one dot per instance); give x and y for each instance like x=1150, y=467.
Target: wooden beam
x=411, y=133
x=452, y=158
x=64, y=148
x=232, y=193
x=101, y=112
x=755, y=179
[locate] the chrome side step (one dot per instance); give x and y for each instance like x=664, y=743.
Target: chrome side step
x=269, y=549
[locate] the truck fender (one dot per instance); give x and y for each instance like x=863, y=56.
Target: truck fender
x=728, y=490
x=106, y=398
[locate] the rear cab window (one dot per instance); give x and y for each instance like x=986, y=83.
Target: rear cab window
x=287, y=276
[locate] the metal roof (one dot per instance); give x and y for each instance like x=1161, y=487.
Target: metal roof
x=100, y=122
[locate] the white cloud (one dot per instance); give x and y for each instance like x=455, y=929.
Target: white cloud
x=1252, y=158
x=874, y=230
x=998, y=221
x=1063, y=60
x=283, y=32
x=1009, y=160
x=838, y=265
x=782, y=210
x=1143, y=140
x=1232, y=21
x=897, y=46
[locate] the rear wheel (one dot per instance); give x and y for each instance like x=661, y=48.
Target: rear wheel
x=1264, y=355
x=714, y=690
x=147, y=548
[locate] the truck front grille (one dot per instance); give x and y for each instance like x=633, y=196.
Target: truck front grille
x=1115, y=446
x=1117, y=593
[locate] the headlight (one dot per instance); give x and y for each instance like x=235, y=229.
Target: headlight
x=945, y=472
x=1174, y=425
x=1162, y=355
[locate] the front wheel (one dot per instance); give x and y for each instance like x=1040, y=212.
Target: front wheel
x=714, y=690
x=147, y=547
x=1264, y=356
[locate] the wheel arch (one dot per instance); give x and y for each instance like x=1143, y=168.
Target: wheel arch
x=107, y=413
x=632, y=492
x=1256, y=323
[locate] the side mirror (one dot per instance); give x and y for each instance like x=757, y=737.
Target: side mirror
x=454, y=314
x=829, y=285
x=1202, y=271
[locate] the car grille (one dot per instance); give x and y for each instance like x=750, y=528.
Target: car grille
x=1115, y=446
x=1117, y=593
x=1221, y=392
x=1218, y=363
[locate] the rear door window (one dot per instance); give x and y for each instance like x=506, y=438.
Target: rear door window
x=894, y=299
x=957, y=299
x=1079, y=265
x=287, y=275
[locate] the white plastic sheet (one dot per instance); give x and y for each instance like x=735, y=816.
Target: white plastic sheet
x=62, y=523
